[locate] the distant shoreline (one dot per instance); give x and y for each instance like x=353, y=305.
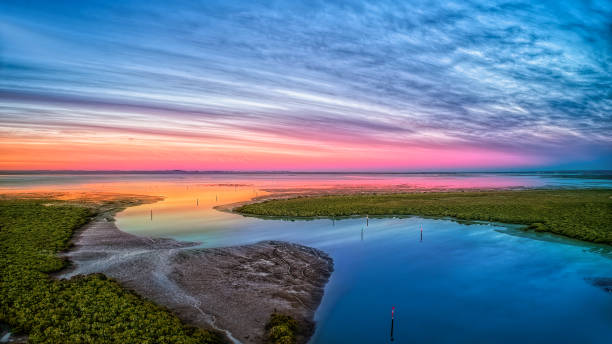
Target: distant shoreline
x=607, y=173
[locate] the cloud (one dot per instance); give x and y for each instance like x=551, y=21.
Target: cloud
x=510, y=75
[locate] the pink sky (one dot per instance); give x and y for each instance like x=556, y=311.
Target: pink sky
x=83, y=153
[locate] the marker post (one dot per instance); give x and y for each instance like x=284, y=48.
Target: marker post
x=392, y=311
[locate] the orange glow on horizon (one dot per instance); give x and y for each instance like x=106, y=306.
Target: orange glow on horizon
x=150, y=155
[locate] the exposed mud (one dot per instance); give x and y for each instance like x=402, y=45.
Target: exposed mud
x=232, y=289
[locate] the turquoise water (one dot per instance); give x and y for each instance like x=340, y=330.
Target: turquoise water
x=478, y=283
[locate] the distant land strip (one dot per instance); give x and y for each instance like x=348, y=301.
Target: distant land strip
x=592, y=174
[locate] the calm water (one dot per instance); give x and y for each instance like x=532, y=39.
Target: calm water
x=479, y=283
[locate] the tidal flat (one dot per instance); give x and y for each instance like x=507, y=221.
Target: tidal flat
x=233, y=290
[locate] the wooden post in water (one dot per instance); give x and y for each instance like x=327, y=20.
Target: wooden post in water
x=392, y=311
x=151, y=214
x=421, y=233
x=197, y=202
x=367, y=220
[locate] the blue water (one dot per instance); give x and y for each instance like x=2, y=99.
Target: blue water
x=477, y=283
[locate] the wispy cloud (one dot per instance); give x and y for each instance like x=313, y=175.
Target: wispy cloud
x=514, y=77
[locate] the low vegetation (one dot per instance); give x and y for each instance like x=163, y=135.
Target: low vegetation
x=281, y=329
x=84, y=309
x=579, y=214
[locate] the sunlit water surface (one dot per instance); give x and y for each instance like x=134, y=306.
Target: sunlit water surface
x=477, y=283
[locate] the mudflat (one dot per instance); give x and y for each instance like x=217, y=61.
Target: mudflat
x=232, y=289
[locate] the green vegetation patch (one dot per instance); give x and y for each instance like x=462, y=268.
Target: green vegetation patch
x=84, y=309
x=281, y=329
x=579, y=214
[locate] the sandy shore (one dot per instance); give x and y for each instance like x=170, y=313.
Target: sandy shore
x=233, y=289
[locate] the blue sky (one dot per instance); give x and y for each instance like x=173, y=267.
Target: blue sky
x=529, y=83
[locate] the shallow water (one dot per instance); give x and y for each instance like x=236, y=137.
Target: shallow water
x=478, y=283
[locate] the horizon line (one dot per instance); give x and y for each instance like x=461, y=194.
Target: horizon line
x=179, y=171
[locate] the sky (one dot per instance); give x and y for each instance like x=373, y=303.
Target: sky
x=305, y=86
